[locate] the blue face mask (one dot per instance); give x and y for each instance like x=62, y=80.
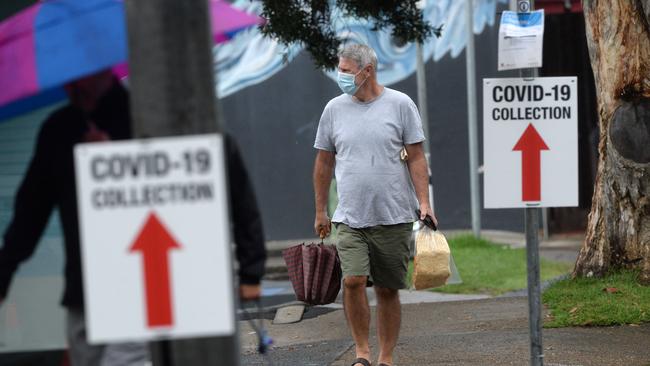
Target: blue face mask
x=346, y=83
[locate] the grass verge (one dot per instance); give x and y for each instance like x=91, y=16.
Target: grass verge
x=615, y=299
x=493, y=269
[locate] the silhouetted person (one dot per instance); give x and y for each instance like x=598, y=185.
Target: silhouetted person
x=99, y=111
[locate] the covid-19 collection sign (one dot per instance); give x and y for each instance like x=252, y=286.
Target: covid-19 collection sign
x=155, y=242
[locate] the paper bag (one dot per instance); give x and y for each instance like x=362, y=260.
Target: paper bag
x=431, y=263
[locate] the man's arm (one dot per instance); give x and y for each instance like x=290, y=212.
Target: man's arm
x=323, y=169
x=247, y=225
x=417, y=164
x=33, y=206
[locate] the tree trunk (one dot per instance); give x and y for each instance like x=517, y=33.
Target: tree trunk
x=618, y=232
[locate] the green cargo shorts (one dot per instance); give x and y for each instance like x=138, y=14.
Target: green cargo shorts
x=380, y=252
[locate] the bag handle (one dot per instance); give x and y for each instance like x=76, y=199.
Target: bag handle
x=428, y=221
x=322, y=234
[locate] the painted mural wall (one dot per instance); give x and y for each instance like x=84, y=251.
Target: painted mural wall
x=250, y=58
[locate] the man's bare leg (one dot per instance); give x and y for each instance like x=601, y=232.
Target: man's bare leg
x=388, y=322
x=357, y=312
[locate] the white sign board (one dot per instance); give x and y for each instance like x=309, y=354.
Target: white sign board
x=521, y=37
x=154, y=234
x=530, y=141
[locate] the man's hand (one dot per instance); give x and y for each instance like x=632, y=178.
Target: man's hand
x=250, y=292
x=425, y=210
x=94, y=134
x=322, y=225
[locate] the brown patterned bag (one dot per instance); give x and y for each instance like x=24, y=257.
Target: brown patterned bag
x=314, y=271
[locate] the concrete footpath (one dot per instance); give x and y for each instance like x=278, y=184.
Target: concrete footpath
x=476, y=332
x=442, y=329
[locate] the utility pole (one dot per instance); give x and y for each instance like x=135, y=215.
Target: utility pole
x=471, y=120
x=172, y=93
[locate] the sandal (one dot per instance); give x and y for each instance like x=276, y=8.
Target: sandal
x=362, y=361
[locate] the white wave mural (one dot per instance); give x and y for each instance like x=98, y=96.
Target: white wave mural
x=250, y=58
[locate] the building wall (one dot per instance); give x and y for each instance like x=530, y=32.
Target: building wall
x=275, y=123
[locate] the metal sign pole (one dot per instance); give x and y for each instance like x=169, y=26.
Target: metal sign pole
x=534, y=287
x=424, y=114
x=532, y=215
x=472, y=130
x=421, y=77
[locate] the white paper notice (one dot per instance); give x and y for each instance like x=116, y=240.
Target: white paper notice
x=521, y=36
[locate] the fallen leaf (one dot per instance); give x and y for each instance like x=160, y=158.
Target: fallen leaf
x=573, y=310
x=610, y=290
x=634, y=325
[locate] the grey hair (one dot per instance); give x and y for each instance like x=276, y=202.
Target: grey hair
x=361, y=54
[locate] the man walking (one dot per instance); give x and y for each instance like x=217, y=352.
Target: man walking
x=372, y=136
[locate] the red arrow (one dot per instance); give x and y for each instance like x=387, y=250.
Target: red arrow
x=531, y=145
x=154, y=241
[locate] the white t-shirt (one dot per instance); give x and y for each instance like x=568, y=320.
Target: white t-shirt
x=373, y=183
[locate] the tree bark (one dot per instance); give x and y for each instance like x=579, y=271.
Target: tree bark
x=618, y=231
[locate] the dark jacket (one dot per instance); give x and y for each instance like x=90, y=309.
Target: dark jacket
x=50, y=183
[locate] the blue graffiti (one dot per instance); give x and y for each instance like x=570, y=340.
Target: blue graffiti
x=250, y=58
